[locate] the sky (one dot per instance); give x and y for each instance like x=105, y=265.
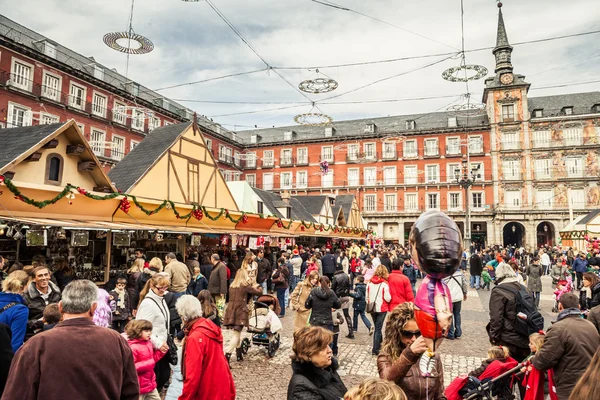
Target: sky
x=193, y=43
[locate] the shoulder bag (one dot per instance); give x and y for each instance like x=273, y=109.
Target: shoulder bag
x=371, y=304
x=172, y=352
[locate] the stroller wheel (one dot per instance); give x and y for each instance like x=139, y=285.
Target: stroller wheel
x=277, y=341
x=272, y=349
x=245, y=345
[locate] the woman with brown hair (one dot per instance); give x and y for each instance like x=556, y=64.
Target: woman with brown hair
x=321, y=301
x=298, y=299
x=209, y=308
x=241, y=291
x=588, y=386
x=401, y=354
x=63, y=273
x=589, y=296
x=314, y=367
x=133, y=273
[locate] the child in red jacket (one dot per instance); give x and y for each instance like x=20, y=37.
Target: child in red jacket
x=145, y=357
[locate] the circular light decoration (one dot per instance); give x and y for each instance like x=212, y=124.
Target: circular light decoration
x=144, y=44
x=393, y=139
x=313, y=119
x=467, y=110
x=318, y=85
x=452, y=74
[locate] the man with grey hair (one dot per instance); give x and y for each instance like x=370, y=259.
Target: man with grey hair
x=179, y=274
x=76, y=359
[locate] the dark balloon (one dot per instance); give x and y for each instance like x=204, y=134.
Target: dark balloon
x=435, y=244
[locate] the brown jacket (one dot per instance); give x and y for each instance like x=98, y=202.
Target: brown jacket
x=568, y=348
x=405, y=373
x=298, y=300
x=74, y=360
x=594, y=317
x=217, y=283
x=237, y=308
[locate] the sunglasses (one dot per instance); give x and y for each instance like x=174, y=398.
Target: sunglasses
x=410, y=334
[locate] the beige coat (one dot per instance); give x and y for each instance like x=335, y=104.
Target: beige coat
x=298, y=299
x=179, y=275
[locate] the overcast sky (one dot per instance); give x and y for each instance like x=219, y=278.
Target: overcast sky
x=192, y=43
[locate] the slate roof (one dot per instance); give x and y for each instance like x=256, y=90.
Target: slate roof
x=582, y=103
x=313, y=204
x=273, y=200
x=343, y=201
x=589, y=217
x=17, y=141
x=139, y=160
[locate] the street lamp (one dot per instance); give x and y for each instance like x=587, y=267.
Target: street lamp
x=466, y=177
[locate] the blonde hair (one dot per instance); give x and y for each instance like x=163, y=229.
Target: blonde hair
x=497, y=352
x=137, y=266
x=157, y=263
x=382, y=272
x=537, y=339
x=376, y=389
x=157, y=280
x=16, y=278
x=242, y=278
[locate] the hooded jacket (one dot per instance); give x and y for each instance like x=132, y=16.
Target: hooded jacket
x=36, y=304
x=321, y=302
x=145, y=358
x=206, y=375
x=378, y=292
x=310, y=382
x=15, y=317
x=360, y=297
x=503, y=314
x=400, y=289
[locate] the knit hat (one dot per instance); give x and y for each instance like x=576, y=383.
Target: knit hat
x=505, y=273
x=295, y=252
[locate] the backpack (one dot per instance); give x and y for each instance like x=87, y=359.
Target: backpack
x=534, y=322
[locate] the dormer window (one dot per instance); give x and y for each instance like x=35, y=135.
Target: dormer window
x=596, y=108
x=329, y=131
x=370, y=128
x=452, y=122
x=49, y=49
x=538, y=113
x=98, y=72
x=254, y=138
x=411, y=124
x=567, y=110
x=288, y=135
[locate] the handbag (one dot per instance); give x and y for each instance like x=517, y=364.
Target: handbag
x=172, y=352
x=371, y=305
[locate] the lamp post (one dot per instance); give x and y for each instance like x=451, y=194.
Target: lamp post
x=466, y=178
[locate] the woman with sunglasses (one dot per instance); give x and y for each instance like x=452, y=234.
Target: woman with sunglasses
x=154, y=308
x=399, y=360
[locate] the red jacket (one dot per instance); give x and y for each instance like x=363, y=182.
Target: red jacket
x=400, y=289
x=145, y=357
x=206, y=375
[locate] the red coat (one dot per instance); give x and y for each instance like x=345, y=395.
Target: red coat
x=145, y=358
x=400, y=289
x=206, y=375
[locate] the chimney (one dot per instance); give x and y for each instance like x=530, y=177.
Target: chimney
x=286, y=196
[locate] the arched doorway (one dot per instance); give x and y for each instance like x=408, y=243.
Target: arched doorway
x=513, y=234
x=545, y=234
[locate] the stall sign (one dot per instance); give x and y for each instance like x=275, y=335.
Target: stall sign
x=36, y=237
x=121, y=239
x=196, y=240
x=80, y=238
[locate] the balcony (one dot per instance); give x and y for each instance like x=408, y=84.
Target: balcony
x=390, y=156
x=248, y=164
x=226, y=159
x=510, y=146
x=352, y=158
x=541, y=144
x=431, y=153
x=267, y=163
x=302, y=161
x=453, y=153
x=330, y=159
x=286, y=161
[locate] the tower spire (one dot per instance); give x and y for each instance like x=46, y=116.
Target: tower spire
x=503, y=49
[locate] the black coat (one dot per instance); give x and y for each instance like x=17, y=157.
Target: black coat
x=36, y=305
x=206, y=269
x=328, y=262
x=503, y=314
x=321, y=303
x=387, y=262
x=588, y=304
x=341, y=284
x=360, y=297
x=312, y=383
x=6, y=354
x=475, y=265
x=264, y=270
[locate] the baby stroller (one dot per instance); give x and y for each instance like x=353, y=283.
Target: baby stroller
x=496, y=382
x=264, y=325
x=563, y=286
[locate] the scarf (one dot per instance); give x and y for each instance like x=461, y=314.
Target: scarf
x=121, y=299
x=568, y=312
x=588, y=292
x=187, y=327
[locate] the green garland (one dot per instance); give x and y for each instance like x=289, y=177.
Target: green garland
x=170, y=204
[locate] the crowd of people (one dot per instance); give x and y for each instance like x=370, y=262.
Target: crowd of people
x=157, y=330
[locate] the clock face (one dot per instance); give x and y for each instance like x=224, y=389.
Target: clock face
x=506, y=79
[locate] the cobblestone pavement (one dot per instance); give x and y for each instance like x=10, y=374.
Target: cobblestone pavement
x=261, y=377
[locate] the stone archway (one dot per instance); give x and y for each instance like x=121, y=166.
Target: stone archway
x=513, y=234
x=545, y=234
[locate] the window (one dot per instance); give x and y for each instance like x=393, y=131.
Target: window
x=251, y=179
x=411, y=124
x=410, y=149
x=352, y=152
x=18, y=116
x=370, y=202
x=301, y=180
x=370, y=152
x=370, y=176
x=541, y=139
x=327, y=180
x=510, y=141
x=138, y=120
x=118, y=147
x=511, y=169
x=329, y=131
x=54, y=169
x=286, y=180
x=411, y=202
x=431, y=147
x=477, y=200
x=452, y=122
x=302, y=154
x=543, y=168
x=133, y=144
x=51, y=87
x=389, y=202
x=253, y=139
x=236, y=158
x=508, y=113
x=260, y=207
x=327, y=153
x=22, y=75
x=119, y=112
x=209, y=146
x=432, y=173
x=389, y=175
x=452, y=145
x=250, y=161
x=543, y=198
x=50, y=49
x=153, y=124
x=97, y=142
x=389, y=150
x=454, y=201
x=475, y=144
x=452, y=171
x=98, y=72
x=538, y=113
x=578, y=198
x=410, y=174
x=512, y=198
x=432, y=201
x=81, y=128
x=268, y=158
x=225, y=154
x=568, y=110
x=353, y=177
x=574, y=167
x=573, y=136
x=267, y=181
x=369, y=128
x=99, y=105
x=478, y=168
x=48, y=119
x=77, y=96
x=286, y=157
x=287, y=136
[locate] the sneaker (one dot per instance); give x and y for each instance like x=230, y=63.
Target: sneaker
x=371, y=330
